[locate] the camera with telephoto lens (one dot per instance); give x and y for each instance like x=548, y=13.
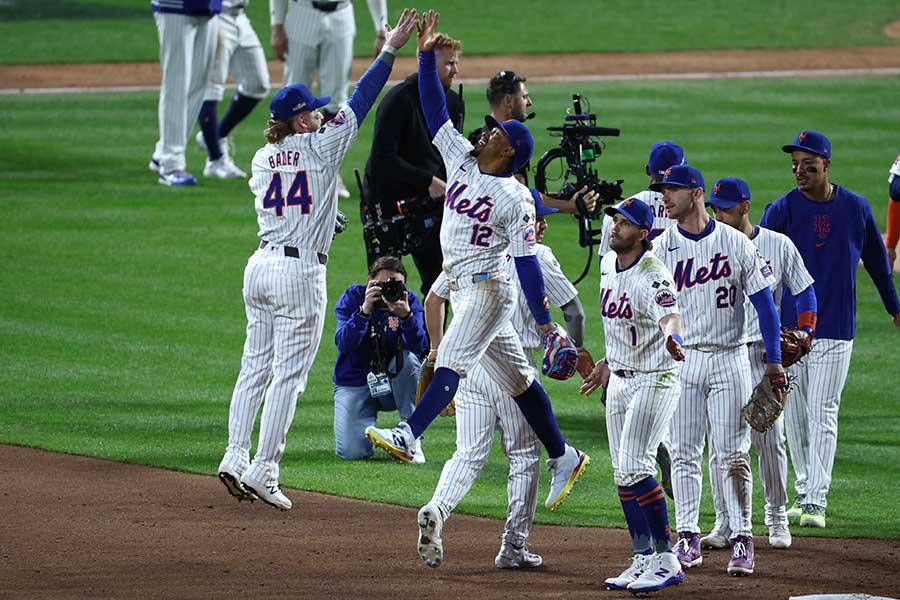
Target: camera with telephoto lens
x=392, y=290
x=569, y=167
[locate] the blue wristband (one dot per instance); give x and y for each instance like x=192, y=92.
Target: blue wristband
x=678, y=339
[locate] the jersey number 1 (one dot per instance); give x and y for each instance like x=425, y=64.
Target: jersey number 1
x=298, y=195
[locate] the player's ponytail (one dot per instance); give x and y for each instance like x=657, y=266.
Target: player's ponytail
x=276, y=131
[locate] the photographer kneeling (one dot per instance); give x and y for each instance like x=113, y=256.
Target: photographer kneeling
x=380, y=336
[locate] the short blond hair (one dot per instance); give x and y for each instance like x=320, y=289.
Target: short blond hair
x=445, y=42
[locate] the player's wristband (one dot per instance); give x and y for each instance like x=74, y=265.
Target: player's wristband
x=678, y=339
x=389, y=49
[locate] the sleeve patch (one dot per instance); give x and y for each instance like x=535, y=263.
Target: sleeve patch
x=766, y=271
x=665, y=298
x=529, y=236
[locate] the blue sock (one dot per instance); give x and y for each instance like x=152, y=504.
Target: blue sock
x=435, y=399
x=240, y=107
x=650, y=497
x=535, y=405
x=207, y=120
x=637, y=523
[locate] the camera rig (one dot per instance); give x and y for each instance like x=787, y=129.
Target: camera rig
x=569, y=167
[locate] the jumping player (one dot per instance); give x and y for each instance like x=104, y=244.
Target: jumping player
x=482, y=406
x=643, y=340
x=730, y=201
x=487, y=214
x=239, y=51
x=713, y=268
x=294, y=181
x=833, y=229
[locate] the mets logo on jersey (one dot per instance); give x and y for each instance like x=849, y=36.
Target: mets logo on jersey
x=665, y=298
x=393, y=322
x=615, y=309
x=529, y=236
x=686, y=277
x=821, y=225
x=339, y=119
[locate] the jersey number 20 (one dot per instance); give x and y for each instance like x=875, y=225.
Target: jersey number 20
x=298, y=195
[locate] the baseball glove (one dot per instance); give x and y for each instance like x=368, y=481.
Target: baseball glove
x=424, y=381
x=767, y=402
x=795, y=344
x=560, y=354
x=585, y=363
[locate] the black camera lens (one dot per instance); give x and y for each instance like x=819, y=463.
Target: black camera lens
x=392, y=290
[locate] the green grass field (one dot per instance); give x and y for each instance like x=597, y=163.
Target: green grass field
x=123, y=323
x=123, y=30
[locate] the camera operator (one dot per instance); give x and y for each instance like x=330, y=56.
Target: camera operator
x=404, y=165
x=380, y=336
x=509, y=99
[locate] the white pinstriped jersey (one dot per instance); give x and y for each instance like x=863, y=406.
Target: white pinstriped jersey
x=632, y=302
x=295, y=184
x=560, y=291
x=788, y=269
x=712, y=272
x=485, y=216
x=661, y=220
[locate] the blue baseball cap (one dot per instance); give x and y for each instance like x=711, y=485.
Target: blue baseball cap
x=519, y=138
x=810, y=141
x=293, y=100
x=728, y=192
x=682, y=176
x=634, y=210
x=541, y=209
x=664, y=155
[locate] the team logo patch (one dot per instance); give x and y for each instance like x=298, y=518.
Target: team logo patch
x=665, y=298
x=529, y=236
x=393, y=323
x=766, y=271
x=339, y=119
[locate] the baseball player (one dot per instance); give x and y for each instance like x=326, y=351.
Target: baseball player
x=643, y=340
x=487, y=214
x=663, y=155
x=187, y=41
x=892, y=235
x=713, y=268
x=294, y=182
x=238, y=50
x=482, y=406
x=730, y=200
x=833, y=229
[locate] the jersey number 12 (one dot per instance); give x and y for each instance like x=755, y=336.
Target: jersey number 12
x=298, y=195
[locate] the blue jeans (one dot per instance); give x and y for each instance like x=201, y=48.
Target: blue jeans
x=355, y=409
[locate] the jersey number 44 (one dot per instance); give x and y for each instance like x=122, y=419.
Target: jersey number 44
x=298, y=195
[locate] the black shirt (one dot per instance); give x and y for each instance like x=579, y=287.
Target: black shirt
x=403, y=159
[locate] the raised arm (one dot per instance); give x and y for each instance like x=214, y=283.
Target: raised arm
x=431, y=94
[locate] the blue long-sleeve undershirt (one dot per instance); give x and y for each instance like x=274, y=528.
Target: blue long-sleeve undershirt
x=368, y=87
x=805, y=301
x=769, y=323
x=532, y=279
x=431, y=94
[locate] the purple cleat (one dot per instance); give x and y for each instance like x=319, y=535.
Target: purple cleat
x=742, y=556
x=687, y=549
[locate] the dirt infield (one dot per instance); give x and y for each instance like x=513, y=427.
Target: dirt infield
x=534, y=66
x=76, y=527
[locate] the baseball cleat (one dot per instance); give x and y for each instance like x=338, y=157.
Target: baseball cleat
x=663, y=570
x=154, y=165
x=429, y=545
x=512, y=557
x=629, y=575
x=223, y=168
x=796, y=509
x=201, y=141
x=398, y=442
x=177, y=178
x=687, y=549
x=270, y=494
x=718, y=538
x=418, y=456
x=564, y=472
x=812, y=516
x=742, y=556
x=231, y=479
x=780, y=536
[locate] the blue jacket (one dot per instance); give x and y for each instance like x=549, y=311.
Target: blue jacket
x=187, y=7
x=832, y=237
x=354, y=352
